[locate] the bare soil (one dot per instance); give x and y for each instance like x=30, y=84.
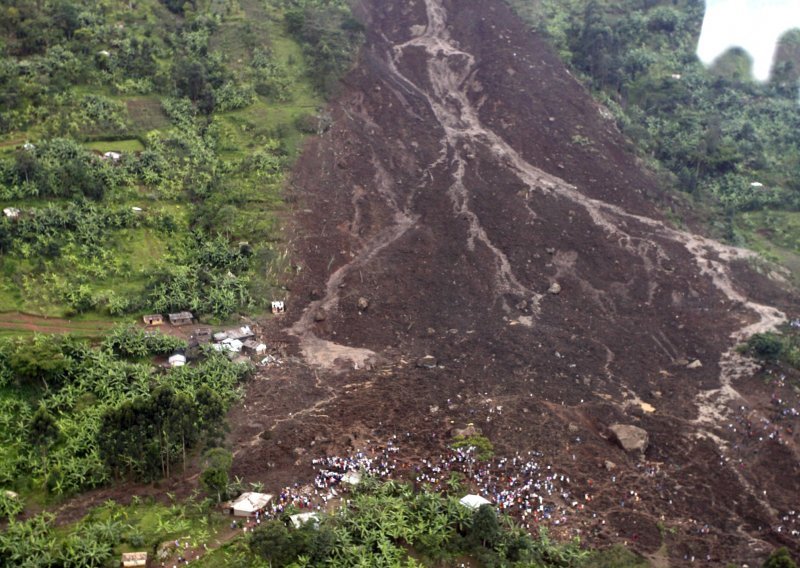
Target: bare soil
x=454, y=188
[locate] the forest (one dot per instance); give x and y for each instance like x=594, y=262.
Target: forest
x=725, y=142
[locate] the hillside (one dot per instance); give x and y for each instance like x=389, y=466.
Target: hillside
x=494, y=285
x=144, y=150
x=473, y=203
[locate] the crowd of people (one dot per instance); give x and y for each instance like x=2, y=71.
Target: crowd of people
x=523, y=486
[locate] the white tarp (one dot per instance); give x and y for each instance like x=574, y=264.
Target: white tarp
x=474, y=502
x=351, y=478
x=304, y=518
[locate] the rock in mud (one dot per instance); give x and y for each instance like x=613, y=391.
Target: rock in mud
x=363, y=303
x=467, y=432
x=427, y=362
x=696, y=364
x=632, y=439
x=320, y=315
x=609, y=465
x=555, y=288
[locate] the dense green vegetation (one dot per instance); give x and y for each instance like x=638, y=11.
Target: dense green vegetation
x=73, y=416
x=730, y=143
x=388, y=524
x=774, y=347
x=205, y=102
x=97, y=540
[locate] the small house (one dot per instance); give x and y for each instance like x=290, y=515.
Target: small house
x=249, y=503
x=134, y=559
x=177, y=360
x=303, y=519
x=153, y=319
x=278, y=307
x=181, y=318
x=474, y=502
x=203, y=335
x=11, y=212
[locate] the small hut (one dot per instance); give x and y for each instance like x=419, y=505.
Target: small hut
x=177, y=360
x=133, y=559
x=249, y=503
x=153, y=319
x=181, y=318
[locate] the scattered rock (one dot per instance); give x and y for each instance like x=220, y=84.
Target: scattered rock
x=467, y=432
x=573, y=428
x=631, y=438
x=299, y=452
x=433, y=409
x=555, y=288
x=522, y=305
x=696, y=364
x=427, y=362
x=320, y=315
x=609, y=465
x=550, y=250
x=315, y=294
x=363, y=303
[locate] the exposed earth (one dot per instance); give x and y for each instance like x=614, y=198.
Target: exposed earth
x=472, y=203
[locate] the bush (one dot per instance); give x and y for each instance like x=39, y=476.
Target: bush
x=765, y=346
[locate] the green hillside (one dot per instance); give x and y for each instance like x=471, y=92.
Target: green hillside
x=145, y=146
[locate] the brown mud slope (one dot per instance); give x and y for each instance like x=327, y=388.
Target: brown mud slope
x=490, y=214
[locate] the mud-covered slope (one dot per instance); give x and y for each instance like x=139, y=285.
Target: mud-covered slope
x=472, y=202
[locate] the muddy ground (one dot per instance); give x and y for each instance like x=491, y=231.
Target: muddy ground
x=471, y=202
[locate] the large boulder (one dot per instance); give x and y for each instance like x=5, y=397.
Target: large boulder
x=632, y=439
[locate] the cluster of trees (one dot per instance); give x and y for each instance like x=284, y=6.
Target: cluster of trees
x=773, y=347
x=329, y=34
x=72, y=415
x=714, y=130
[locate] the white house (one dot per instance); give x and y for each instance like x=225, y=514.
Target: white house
x=474, y=502
x=249, y=503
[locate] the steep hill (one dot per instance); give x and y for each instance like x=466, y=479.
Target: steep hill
x=472, y=202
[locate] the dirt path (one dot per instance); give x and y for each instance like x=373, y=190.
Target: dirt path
x=42, y=324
